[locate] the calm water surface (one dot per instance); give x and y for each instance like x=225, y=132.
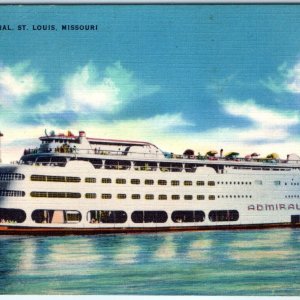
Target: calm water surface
x=262, y=262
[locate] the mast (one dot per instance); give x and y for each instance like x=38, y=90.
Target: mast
x=1, y=135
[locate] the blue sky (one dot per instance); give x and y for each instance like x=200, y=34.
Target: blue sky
x=180, y=76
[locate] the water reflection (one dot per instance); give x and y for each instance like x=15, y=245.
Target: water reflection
x=265, y=247
x=27, y=260
x=200, y=249
x=167, y=249
x=127, y=255
x=197, y=263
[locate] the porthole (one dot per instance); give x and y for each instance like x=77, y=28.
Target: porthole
x=162, y=182
x=106, y=180
x=121, y=181
x=200, y=182
x=90, y=195
x=90, y=180
x=175, y=182
x=188, y=182
x=135, y=181
x=149, y=181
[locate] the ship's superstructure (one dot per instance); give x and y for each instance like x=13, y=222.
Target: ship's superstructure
x=75, y=184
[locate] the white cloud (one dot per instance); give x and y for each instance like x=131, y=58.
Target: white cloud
x=18, y=83
x=293, y=79
x=268, y=126
x=167, y=131
x=83, y=90
x=267, y=132
x=262, y=117
x=86, y=90
x=287, y=80
x=152, y=129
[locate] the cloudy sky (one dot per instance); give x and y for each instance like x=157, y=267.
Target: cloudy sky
x=204, y=77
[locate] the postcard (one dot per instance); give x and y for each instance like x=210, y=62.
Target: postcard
x=150, y=149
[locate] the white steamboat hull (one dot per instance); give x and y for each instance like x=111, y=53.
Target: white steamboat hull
x=233, y=199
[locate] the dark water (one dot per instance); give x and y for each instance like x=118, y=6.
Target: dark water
x=265, y=262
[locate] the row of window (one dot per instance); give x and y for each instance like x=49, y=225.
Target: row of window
x=151, y=196
x=36, y=194
x=11, y=176
x=11, y=193
x=50, y=178
x=124, y=196
x=42, y=194
x=234, y=196
x=165, y=197
x=55, y=195
x=234, y=182
x=109, y=180
x=119, y=216
x=39, y=194
x=54, y=178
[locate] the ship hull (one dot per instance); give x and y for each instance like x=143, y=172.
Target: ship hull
x=80, y=199
x=61, y=231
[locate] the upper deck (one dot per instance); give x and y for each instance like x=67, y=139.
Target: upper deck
x=58, y=149
x=82, y=145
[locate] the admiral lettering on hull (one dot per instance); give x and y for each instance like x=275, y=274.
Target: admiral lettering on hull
x=282, y=206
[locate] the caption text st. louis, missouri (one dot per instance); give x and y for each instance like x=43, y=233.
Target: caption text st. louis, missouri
x=66, y=27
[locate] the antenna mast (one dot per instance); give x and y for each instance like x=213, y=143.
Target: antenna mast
x=1, y=135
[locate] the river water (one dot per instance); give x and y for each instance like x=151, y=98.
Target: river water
x=249, y=262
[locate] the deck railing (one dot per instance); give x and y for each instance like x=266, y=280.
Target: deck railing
x=75, y=152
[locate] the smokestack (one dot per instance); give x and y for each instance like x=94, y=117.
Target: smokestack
x=81, y=136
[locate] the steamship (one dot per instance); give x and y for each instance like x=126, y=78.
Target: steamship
x=73, y=184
